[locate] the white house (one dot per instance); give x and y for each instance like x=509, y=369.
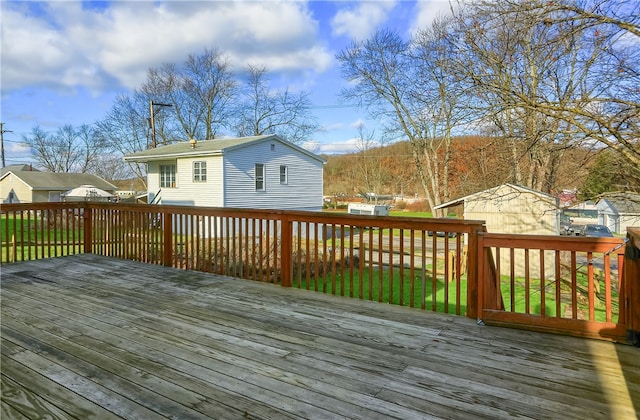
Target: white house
x=262, y=172
x=618, y=211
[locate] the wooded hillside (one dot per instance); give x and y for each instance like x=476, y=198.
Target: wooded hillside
x=477, y=163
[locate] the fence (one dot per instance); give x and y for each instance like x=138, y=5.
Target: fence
x=560, y=284
x=555, y=284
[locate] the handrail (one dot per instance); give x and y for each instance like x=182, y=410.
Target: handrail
x=559, y=284
x=387, y=259
x=400, y=260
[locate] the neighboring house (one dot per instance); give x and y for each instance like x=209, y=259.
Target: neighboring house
x=515, y=209
x=567, y=198
x=618, y=211
x=262, y=172
x=16, y=168
x=510, y=208
x=29, y=186
x=575, y=217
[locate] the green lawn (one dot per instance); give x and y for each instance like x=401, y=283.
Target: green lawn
x=360, y=287
x=392, y=288
x=401, y=213
x=62, y=241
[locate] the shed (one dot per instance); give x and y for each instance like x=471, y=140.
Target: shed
x=510, y=208
x=86, y=193
x=515, y=209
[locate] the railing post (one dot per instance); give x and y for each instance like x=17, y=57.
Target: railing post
x=88, y=228
x=473, y=274
x=167, y=250
x=630, y=290
x=286, y=250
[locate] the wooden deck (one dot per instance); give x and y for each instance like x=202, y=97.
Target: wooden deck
x=94, y=337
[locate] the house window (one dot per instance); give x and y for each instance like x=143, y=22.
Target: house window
x=284, y=174
x=199, y=171
x=259, y=174
x=167, y=176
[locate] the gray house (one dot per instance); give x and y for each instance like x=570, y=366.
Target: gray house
x=618, y=211
x=262, y=172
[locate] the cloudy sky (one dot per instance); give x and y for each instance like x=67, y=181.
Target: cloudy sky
x=63, y=62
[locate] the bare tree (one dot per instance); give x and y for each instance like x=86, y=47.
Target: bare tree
x=369, y=173
x=554, y=75
x=69, y=149
x=125, y=128
x=443, y=97
x=263, y=110
x=201, y=91
x=407, y=85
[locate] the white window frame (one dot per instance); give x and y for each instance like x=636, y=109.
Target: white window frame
x=259, y=177
x=167, y=176
x=284, y=174
x=200, y=171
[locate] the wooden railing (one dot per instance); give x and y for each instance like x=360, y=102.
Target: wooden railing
x=578, y=286
x=394, y=260
x=567, y=285
x=630, y=289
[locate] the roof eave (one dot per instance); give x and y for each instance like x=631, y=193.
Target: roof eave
x=150, y=158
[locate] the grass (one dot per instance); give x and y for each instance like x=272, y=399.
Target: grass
x=386, y=286
x=402, y=213
x=50, y=242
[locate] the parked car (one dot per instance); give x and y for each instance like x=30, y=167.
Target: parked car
x=596, y=231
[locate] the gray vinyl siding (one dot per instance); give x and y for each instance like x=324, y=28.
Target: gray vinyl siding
x=302, y=192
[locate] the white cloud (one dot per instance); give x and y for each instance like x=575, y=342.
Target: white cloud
x=312, y=145
x=352, y=145
x=427, y=11
x=18, y=148
x=360, y=22
x=65, y=45
x=358, y=124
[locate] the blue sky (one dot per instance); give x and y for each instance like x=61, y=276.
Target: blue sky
x=63, y=62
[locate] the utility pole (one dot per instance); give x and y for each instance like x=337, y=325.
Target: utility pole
x=2, y=131
x=152, y=122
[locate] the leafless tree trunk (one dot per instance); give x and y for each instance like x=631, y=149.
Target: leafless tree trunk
x=262, y=110
x=400, y=85
x=368, y=171
x=202, y=92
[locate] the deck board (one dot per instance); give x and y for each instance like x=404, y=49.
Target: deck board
x=94, y=337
